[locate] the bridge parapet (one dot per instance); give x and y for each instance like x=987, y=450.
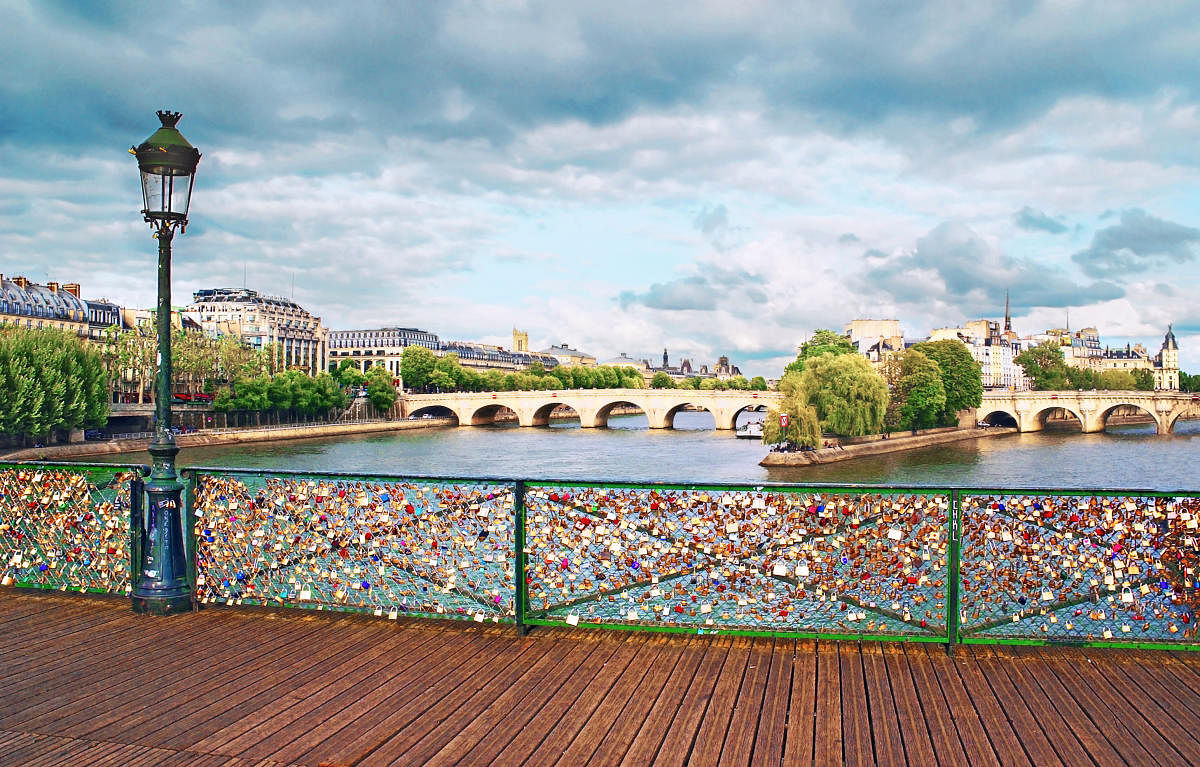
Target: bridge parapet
x=1092, y=408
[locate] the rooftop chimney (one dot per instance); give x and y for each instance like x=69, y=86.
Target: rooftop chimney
x=72, y=288
x=53, y=286
x=22, y=283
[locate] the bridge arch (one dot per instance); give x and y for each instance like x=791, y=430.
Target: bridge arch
x=600, y=419
x=1039, y=417
x=436, y=411
x=1103, y=416
x=1000, y=417
x=482, y=415
x=541, y=414
x=673, y=410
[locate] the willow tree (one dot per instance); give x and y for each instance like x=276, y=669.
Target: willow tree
x=802, y=429
x=849, y=397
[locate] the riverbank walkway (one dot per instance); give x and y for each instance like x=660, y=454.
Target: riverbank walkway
x=86, y=681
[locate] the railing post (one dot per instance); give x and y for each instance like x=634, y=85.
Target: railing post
x=952, y=574
x=137, y=522
x=189, y=531
x=521, y=593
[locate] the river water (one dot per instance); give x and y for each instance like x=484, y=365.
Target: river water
x=1127, y=457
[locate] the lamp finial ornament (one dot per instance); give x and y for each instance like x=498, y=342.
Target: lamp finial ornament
x=168, y=117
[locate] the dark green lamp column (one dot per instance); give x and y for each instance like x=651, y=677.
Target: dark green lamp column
x=167, y=163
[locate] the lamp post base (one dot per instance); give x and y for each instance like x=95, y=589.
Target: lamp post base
x=162, y=587
x=161, y=605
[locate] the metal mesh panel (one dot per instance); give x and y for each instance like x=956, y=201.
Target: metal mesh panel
x=388, y=546
x=1097, y=568
x=65, y=528
x=782, y=561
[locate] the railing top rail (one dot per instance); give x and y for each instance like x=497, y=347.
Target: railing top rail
x=144, y=469
x=651, y=484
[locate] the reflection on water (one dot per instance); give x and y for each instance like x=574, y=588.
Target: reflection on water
x=1124, y=457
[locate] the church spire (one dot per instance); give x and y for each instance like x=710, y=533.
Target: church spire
x=1007, y=315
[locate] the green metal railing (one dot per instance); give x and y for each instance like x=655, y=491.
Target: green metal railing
x=1063, y=566
x=954, y=566
x=861, y=563
x=387, y=545
x=67, y=527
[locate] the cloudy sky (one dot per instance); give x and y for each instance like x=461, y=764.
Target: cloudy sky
x=710, y=177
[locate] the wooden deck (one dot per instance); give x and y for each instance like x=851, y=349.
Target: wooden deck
x=87, y=682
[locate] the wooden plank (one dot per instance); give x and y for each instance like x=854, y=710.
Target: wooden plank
x=307, y=716
x=943, y=735
x=801, y=721
x=643, y=678
x=773, y=717
x=232, y=667
x=749, y=711
x=531, y=714
x=91, y=691
x=437, y=710
x=1124, y=725
x=461, y=658
x=857, y=747
x=712, y=734
x=669, y=726
x=634, y=650
x=996, y=726
x=230, y=688
x=970, y=728
x=573, y=701
x=885, y=727
x=827, y=736
x=642, y=716
x=1036, y=675
x=1022, y=724
x=202, y=720
x=1156, y=704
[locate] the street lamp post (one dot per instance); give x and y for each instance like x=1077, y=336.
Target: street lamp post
x=167, y=163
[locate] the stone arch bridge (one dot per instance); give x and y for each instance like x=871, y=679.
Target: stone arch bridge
x=593, y=406
x=1030, y=409
x=1027, y=410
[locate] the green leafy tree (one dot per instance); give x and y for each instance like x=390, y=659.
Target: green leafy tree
x=1044, y=366
x=380, y=390
x=631, y=378
x=803, y=428
x=661, y=381
x=962, y=379
x=1188, y=382
x=822, y=342
x=450, y=365
x=49, y=382
x=738, y=383
x=349, y=375
x=416, y=366
x=713, y=384
x=758, y=383
x=849, y=397
x=691, y=382
x=536, y=368
x=923, y=398
x=1143, y=379
x=1117, y=380
x=441, y=380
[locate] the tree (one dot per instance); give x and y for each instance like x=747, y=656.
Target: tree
x=758, y=383
x=416, y=365
x=1044, y=366
x=962, y=379
x=536, y=368
x=450, y=365
x=922, y=394
x=1117, y=380
x=661, y=381
x=348, y=375
x=1189, y=383
x=822, y=342
x=49, y=382
x=1143, y=379
x=849, y=397
x=380, y=390
x=738, y=383
x=691, y=382
x=803, y=428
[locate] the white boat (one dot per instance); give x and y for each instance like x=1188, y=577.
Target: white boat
x=750, y=430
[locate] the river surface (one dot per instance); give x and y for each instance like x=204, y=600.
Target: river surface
x=1126, y=457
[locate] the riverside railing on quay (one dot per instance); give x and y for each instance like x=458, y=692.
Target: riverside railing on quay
x=946, y=565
